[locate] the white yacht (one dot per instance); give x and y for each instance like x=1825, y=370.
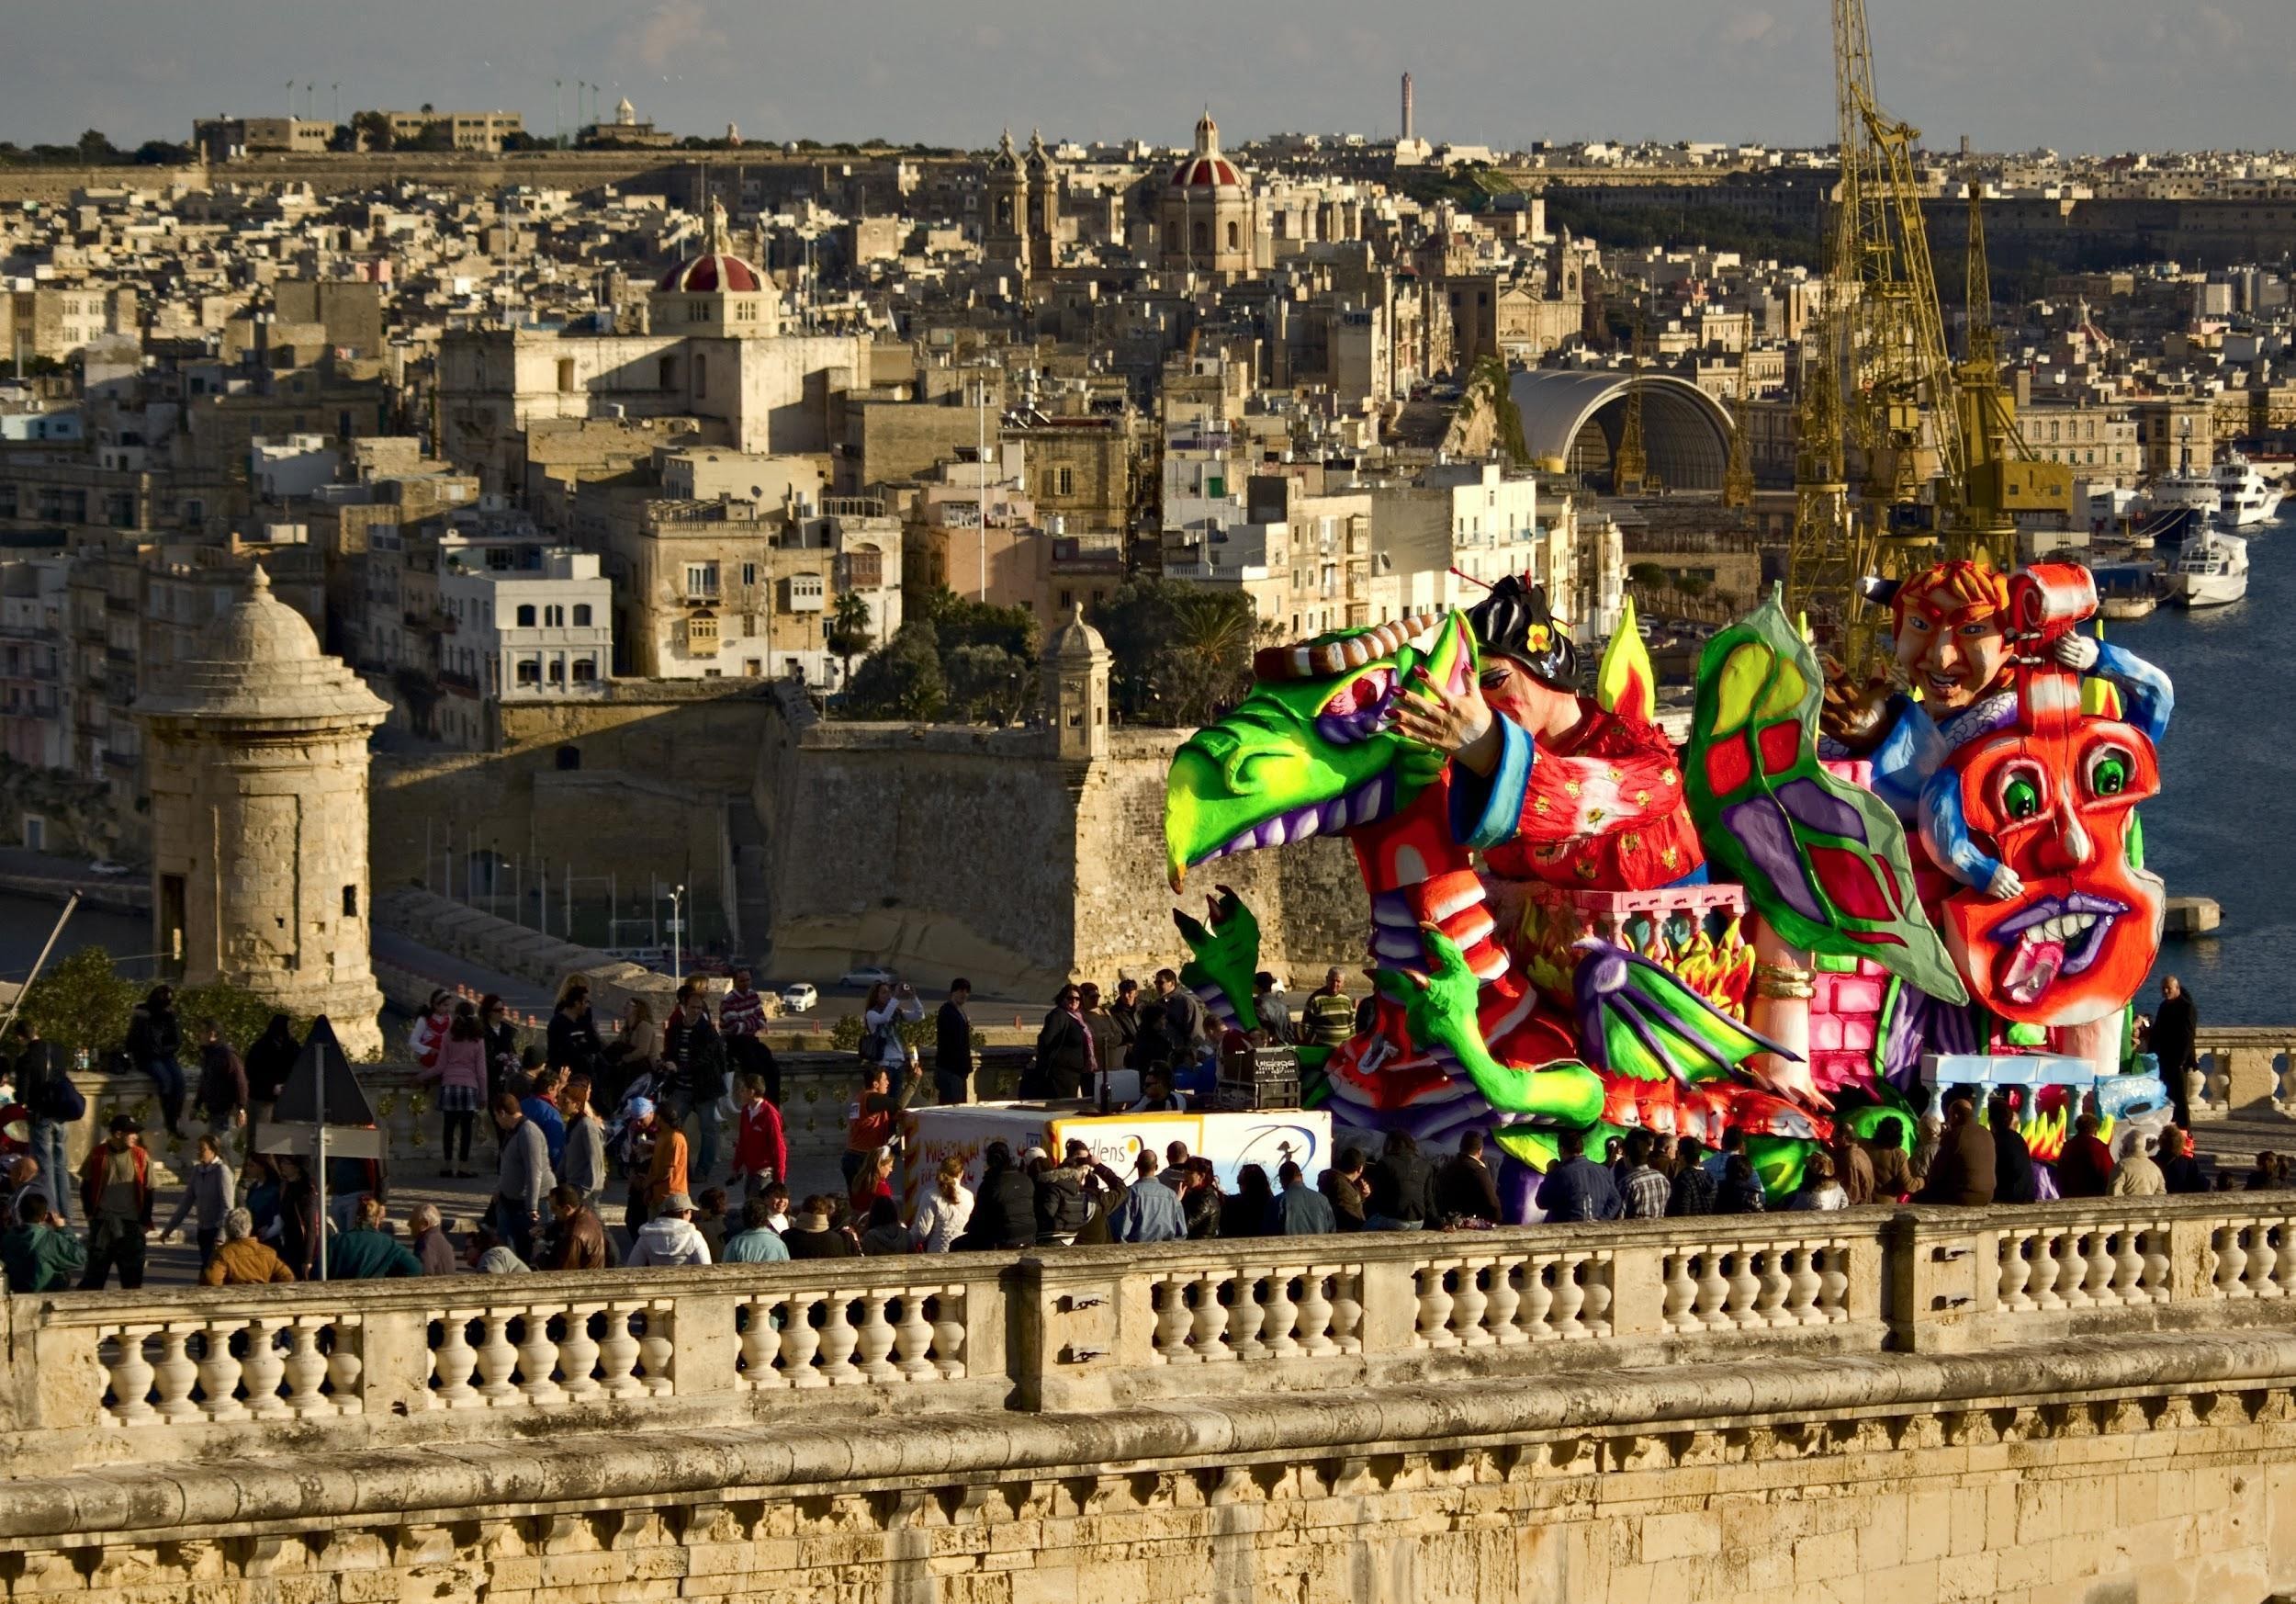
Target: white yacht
x=2249, y=498
x=2212, y=568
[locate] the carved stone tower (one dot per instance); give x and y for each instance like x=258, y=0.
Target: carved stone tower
x=1077, y=691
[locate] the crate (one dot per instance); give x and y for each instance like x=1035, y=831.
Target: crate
x=1258, y=1077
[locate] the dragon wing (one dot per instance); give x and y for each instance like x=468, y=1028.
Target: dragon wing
x=1637, y=1020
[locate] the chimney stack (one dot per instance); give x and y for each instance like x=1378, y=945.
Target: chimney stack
x=1409, y=133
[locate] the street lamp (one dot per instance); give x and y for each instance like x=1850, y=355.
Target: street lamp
x=676, y=925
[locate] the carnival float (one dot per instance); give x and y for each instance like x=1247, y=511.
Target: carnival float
x=1831, y=902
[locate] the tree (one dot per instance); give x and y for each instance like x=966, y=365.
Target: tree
x=903, y=681
x=848, y=634
x=988, y=683
x=160, y=154
x=1181, y=655
x=96, y=148
x=374, y=130
x=80, y=1002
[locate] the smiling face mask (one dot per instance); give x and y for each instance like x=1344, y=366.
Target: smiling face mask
x=1951, y=643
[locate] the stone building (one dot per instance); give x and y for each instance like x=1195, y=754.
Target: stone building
x=1205, y=217
x=256, y=749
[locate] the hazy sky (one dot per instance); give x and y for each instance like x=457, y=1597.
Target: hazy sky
x=2076, y=74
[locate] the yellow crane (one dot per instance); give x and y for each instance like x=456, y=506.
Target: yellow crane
x=1630, y=466
x=1737, y=474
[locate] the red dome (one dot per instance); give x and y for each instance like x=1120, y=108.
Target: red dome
x=1205, y=173
x=710, y=272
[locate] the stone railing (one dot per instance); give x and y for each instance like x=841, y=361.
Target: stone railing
x=2247, y=1067
x=166, y=1375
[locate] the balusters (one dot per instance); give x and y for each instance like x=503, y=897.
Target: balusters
x=1211, y=1319
x=1247, y=1315
x=1570, y=1298
x=1833, y=1283
x=913, y=1339
x=1173, y=1320
x=618, y=1353
x=1682, y=1292
x=578, y=1355
x=1745, y=1290
x=1802, y=1287
x=2103, y=1264
x=131, y=1376
x=2156, y=1263
x=1315, y=1315
x=1434, y=1305
x=1714, y=1293
x=875, y=1333
x=2041, y=1287
x=262, y=1368
x=219, y=1371
x=498, y=1359
x=1347, y=1310
x=1595, y=1280
x=2263, y=1261
x=538, y=1359
x=2231, y=1261
x=839, y=1338
x=2284, y=1262
x=800, y=1341
x=1538, y=1298
x=657, y=1349
x=949, y=1350
x=1504, y=1299
x=1468, y=1305
x=1770, y=1300
x=2128, y=1267
x=1276, y=1336
x=2017, y=1270
x=174, y=1375
x=344, y=1365
x=307, y=1369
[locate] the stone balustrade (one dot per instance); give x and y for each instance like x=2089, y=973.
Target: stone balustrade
x=207, y=1374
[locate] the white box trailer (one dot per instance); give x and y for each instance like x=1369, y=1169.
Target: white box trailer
x=1267, y=1138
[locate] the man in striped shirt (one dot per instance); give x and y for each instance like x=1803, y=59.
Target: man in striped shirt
x=741, y=1021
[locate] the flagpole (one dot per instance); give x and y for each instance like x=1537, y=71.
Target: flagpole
x=319, y=1143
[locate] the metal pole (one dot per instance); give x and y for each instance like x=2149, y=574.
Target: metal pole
x=653, y=904
x=72, y=902
x=319, y=1133
x=426, y=852
x=569, y=900
x=980, y=421
x=518, y=894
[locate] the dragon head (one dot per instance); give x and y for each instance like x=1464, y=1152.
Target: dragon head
x=1309, y=751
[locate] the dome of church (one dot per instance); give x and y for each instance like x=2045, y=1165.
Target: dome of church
x=1204, y=167
x=710, y=272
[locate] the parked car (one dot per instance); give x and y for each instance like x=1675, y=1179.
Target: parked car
x=105, y=866
x=800, y=996
x=865, y=977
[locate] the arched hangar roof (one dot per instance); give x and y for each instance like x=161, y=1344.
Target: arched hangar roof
x=1685, y=432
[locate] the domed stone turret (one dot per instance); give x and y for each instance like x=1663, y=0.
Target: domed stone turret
x=1076, y=689
x=1205, y=221
x=257, y=755
x=715, y=292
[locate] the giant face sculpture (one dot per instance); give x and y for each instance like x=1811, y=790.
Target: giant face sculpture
x=1951, y=642
x=2051, y=797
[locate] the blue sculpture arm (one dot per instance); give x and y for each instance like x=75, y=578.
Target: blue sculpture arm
x=1487, y=809
x=2147, y=695
x=1946, y=832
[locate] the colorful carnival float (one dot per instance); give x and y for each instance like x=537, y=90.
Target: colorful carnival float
x=1830, y=903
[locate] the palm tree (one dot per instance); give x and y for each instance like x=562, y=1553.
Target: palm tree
x=847, y=633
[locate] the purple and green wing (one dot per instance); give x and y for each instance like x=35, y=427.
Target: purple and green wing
x=1824, y=861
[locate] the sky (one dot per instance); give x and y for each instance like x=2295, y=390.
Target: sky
x=2098, y=75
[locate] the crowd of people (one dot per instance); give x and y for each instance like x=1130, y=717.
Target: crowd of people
x=673, y=1125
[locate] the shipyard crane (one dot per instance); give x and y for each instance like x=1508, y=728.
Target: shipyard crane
x=1630, y=466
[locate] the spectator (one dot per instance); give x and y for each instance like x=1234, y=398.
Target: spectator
x=1929, y=1138
x=1615, y=1158
x=239, y=1259
x=270, y=1060
x=1201, y=1201
x=1104, y=1189
x=1345, y=1189
x=741, y=1025
x=2179, y=1169
x=1465, y=1188
x=757, y=1242
x=577, y=1237
x=669, y=1237
x=1647, y=1191
x=639, y=1135
x=21, y=1179
x=1821, y=1191
x=1003, y=1205
x=428, y=1033
x=115, y=1190
x=1176, y=1032
x=572, y=1037
x=761, y=1147
x=1852, y=1168
x=584, y=1165
x=1403, y=1187
x=1150, y=1210
x=777, y=1201
x=636, y=1052
x=1963, y=1171
x=1125, y=1011
x=943, y=1215
x=2085, y=1167
x=1893, y=1170
x=873, y=1119
x=499, y=1036
x=886, y=1234
x=154, y=1041
x=1058, y=1196
x=872, y=1181
x=368, y=1251
x=1692, y=1190
x=500, y=1261
x=460, y=1069
x=2266, y=1176
x=1108, y=1039
x=709, y=1219
x=1156, y=1095
x=1252, y=1211
x=1741, y=1190
x=524, y=1177
x=1329, y=1018
x=883, y=1014
x=45, y=1088
x=952, y=1047
x=670, y=1170
x=222, y=1094
x=693, y=1064
x=39, y=1256
x=210, y=1189
x=1719, y=1160
x=539, y=1105
x=2136, y=1175
x=300, y=1228
x=813, y=1233
x=1577, y=1188
x=1300, y=1209
x=2174, y=1040
x=1063, y=1047
x=431, y=1248
x=2014, y=1180
x=1273, y=1009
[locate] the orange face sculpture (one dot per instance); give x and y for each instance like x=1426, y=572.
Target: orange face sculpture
x=1951, y=639
x=2051, y=797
